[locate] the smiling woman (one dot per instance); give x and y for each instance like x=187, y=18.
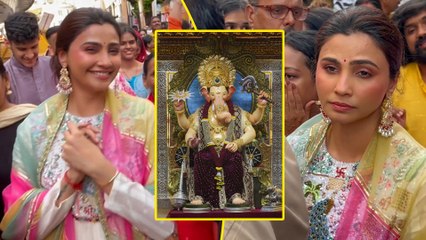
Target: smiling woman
x=130, y=74
x=82, y=160
x=362, y=174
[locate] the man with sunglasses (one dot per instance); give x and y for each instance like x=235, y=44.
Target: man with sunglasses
x=276, y=14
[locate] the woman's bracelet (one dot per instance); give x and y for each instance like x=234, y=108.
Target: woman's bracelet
x=112, y=179
x=75, y=186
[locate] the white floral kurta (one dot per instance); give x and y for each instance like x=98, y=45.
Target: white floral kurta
x=326, y=185
x=82, y=204
x=327, y=179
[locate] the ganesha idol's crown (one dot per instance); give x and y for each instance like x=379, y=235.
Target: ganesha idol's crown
x=216, y=71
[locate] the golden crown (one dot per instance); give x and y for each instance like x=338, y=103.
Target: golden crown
x=216, y=71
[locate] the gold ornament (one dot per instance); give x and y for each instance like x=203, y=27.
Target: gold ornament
x=386, y=122
x=64, y=85
x=216, y=71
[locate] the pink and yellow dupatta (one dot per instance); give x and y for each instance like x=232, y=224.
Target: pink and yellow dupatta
x=387, y=199
x=127, y=139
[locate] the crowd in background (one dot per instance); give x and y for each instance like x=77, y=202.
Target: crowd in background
x=76, y=121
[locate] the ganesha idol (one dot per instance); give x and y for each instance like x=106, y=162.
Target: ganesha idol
x=218, y=131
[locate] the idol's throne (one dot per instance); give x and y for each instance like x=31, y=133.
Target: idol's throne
x=190, y=97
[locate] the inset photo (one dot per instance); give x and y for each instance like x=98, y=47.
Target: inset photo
x=219, y=125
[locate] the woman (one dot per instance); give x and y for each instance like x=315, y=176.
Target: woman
x=364, y=177
x=130, y=74
x=11, y=116
x=51, y=39
x=82, y=159
x=148, y=42
x=300, y=92
x=234, y=15
x=149, y=76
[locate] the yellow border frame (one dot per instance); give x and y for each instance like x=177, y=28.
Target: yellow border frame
x=282, y=119
x=189, y=15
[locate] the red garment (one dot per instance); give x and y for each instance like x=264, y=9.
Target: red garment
x=195, y=230
x=151, y=98
x=174, y=23
x=142, y=54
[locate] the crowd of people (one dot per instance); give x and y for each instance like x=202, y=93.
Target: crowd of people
x=77, y=124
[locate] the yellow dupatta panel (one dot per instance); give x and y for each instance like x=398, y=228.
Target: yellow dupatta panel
x=392, y=173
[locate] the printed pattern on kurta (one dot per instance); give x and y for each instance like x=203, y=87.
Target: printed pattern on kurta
x=84, y=207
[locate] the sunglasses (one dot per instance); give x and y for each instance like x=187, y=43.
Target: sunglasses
x=281, y=11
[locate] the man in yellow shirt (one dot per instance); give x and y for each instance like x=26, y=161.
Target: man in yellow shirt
x=410, y=95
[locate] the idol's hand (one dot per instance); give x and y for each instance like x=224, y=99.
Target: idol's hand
x=193, y=142
x=261, y=98
x=178, y=105
x=232, y=147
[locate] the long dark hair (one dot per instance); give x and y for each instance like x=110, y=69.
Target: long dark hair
x=304, y=42
x=206, y=14
x=317, y=16
x=228, y=6
x=145, y=64
x=372, y=22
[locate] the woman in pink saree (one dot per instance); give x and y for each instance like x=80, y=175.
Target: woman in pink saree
x=364, y=176
x=82, y=160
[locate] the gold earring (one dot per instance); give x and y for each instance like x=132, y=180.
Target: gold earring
x=64, y=85
x=324, y=116
x=386, y=122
